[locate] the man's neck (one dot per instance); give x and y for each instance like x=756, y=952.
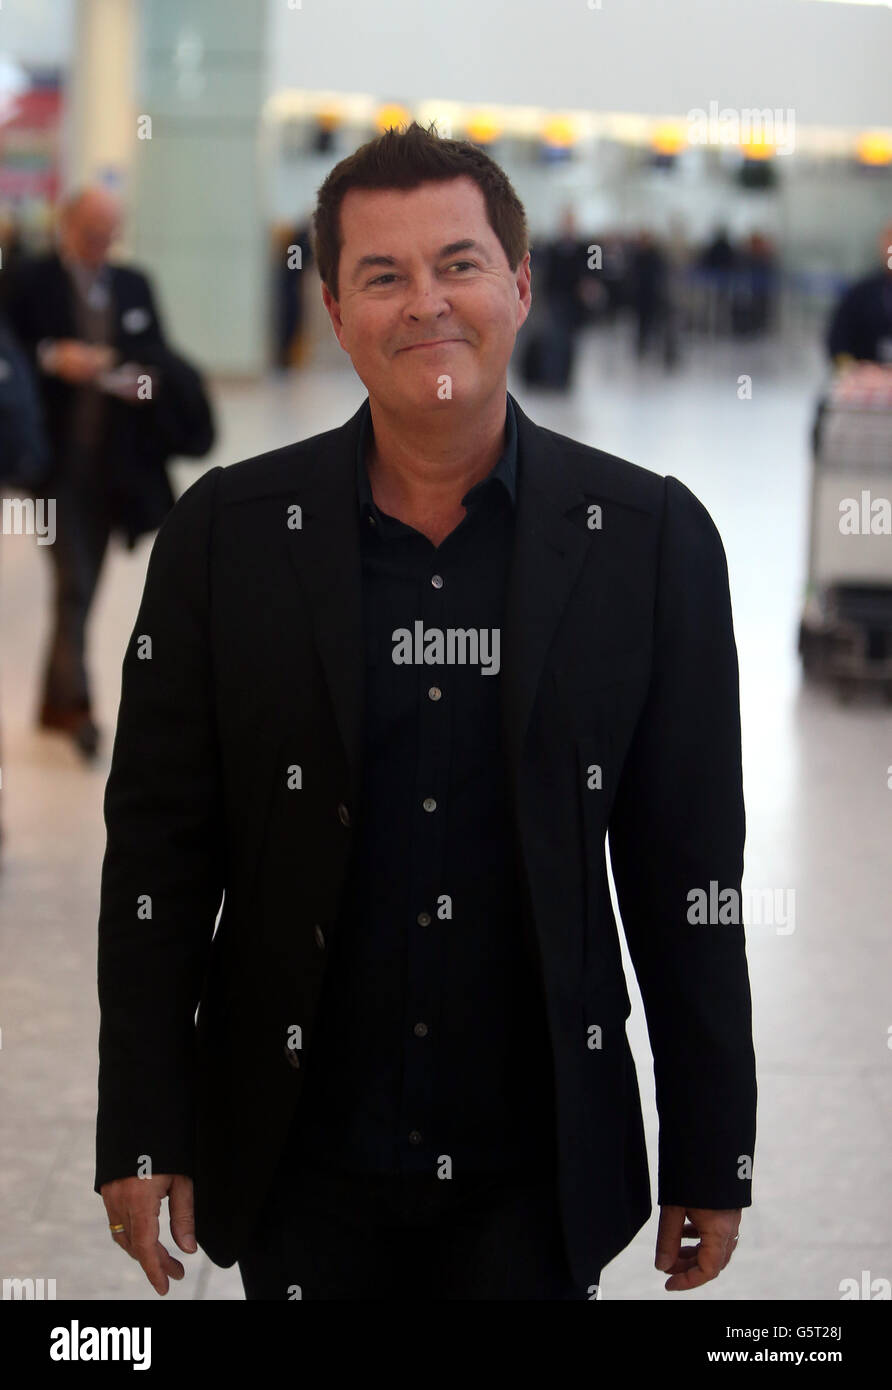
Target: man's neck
x=420, y=469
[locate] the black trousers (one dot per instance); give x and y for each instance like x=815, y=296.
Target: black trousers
x=83, y=528
x=419, y=1238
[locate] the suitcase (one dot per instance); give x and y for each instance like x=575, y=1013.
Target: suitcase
x=845, y=633
x=547, y=358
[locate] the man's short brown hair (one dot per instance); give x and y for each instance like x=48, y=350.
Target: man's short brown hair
x=405, y=159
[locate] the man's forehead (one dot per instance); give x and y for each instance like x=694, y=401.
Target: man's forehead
x=382, y=234
x=95, y=215
x=369, y=204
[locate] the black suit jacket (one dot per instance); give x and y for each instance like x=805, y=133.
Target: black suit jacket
x=140, y=437
x=861, y=322
x=24, y=457
x=618, y=655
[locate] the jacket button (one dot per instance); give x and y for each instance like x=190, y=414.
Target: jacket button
x=293, y=1057
x=320, y=936
x=343, y=814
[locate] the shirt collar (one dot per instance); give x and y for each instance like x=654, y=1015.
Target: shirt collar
x=95, y=283
x=505, y=469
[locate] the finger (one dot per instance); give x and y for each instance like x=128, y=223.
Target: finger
x=669, y=1236
x=181, y=1208
x=121, y=1238
x=686, y=1259
x=171, y=1266
x=159, y=1266
x=732, y=1246
x=708, y=1265
x=156, y=1262
x=713, y=1247
x=691, y=1278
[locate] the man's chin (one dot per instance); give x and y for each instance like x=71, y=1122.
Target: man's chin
x=433, y=388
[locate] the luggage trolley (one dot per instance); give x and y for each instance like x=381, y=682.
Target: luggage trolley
x=845, y=632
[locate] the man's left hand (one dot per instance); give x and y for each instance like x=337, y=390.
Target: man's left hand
x=693, y=1265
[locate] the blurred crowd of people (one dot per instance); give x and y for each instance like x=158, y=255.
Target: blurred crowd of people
x=670, y=288
x=663, y=284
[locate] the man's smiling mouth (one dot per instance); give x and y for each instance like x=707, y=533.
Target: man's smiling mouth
x=435, y=342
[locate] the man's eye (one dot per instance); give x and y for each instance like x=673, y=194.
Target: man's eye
x=388, y=275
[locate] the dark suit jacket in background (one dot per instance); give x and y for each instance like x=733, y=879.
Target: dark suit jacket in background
x=861, y=322
x=618, y=651
x=140, y=438
x=24, y=453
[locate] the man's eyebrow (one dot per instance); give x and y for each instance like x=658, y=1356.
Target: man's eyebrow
x=449, y=249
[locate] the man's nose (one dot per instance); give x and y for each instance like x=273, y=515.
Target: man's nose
x=426, y=299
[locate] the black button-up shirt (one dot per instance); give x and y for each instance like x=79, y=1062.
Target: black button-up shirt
x=431, y=1040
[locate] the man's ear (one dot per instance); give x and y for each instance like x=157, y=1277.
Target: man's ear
x=334, y=311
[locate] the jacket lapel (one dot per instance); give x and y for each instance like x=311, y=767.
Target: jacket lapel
x=549, y=550
x=325, y=553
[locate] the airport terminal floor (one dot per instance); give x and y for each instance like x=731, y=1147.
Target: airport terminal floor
x=815, y=777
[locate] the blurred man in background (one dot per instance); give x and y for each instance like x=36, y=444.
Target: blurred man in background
x=649, y=287
x=79, y=318
x=565, y=271
x=861, y=325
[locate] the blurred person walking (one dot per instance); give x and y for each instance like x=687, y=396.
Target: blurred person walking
x=293, y=258
x=649, y=289
x=860, y=327
x=115, y=398
x=565, y=271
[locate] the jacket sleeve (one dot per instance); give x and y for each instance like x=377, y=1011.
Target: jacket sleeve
x=155, y=331
x=24, y=454
x=163, y=870
x=845, y=331
x=678, y=824
x=17, y=305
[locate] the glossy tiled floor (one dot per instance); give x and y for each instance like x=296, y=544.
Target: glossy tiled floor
x=819, y=814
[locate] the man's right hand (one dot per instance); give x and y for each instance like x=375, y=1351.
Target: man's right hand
x=135, y=1204
x=78, y=362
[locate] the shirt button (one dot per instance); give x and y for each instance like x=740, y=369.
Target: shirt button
x=437, y=581
x=320, y=936
x=343, y=814
x=423, y=919
x=414, y=1136
x=429, y=803
x=420, y=1030
x=435, y=692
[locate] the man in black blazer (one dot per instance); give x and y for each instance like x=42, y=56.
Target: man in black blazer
x=79, y=316
x=860, y=327
x=388, y=690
